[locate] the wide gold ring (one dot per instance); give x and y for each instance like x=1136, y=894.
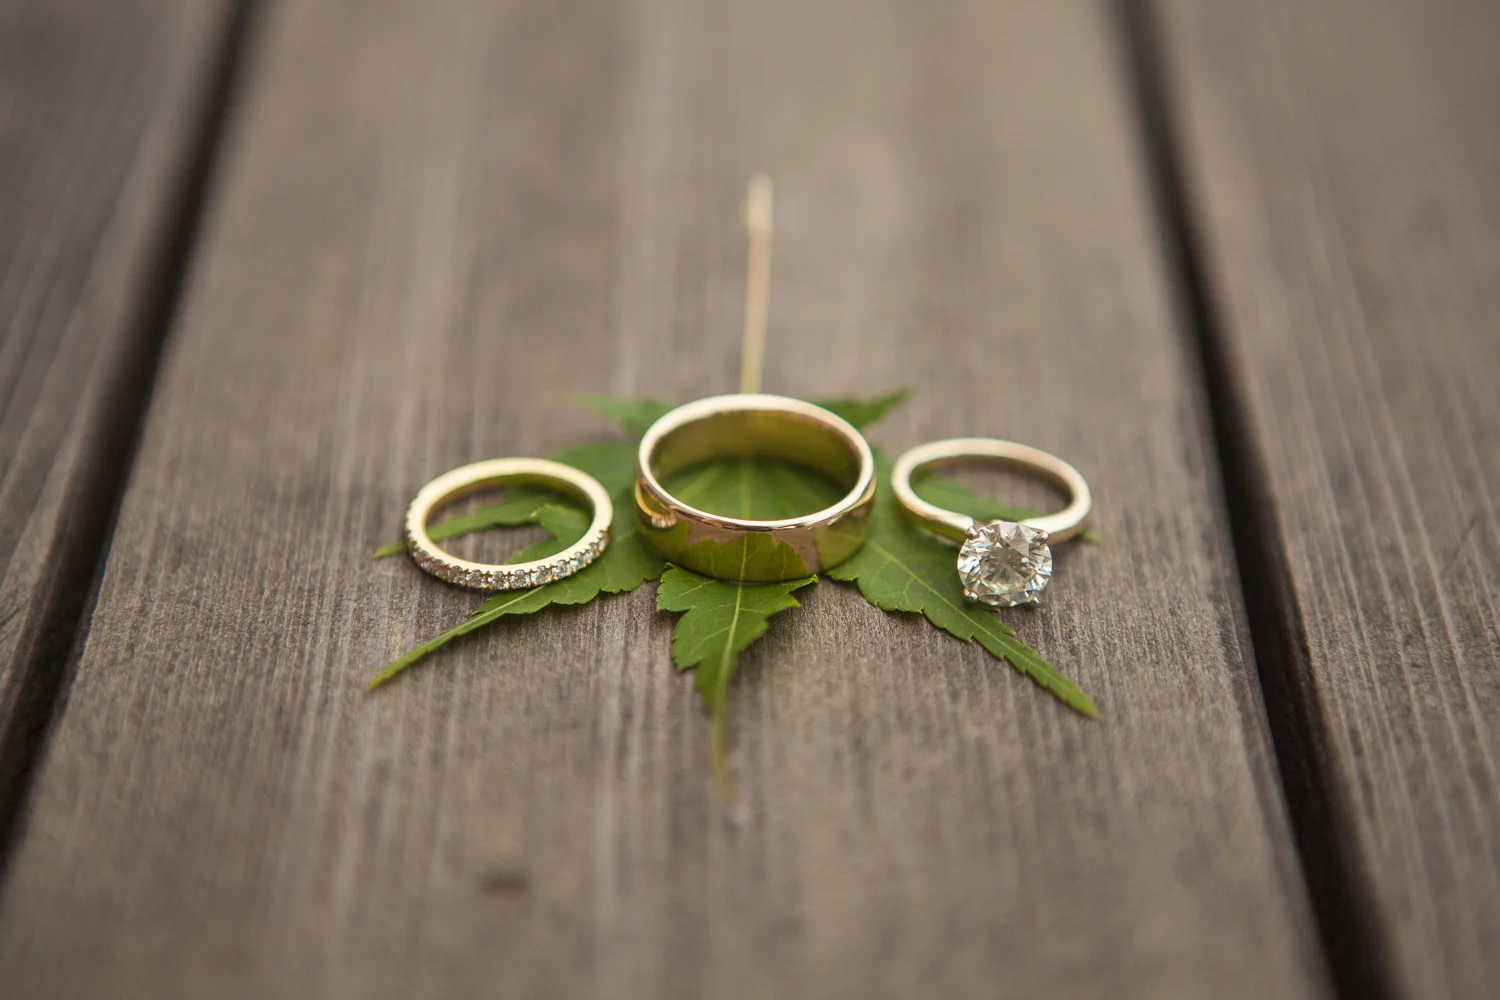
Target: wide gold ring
x=468, y=479
x=754, y=424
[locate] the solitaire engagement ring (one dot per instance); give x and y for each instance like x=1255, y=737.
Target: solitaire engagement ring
x=1003, y=563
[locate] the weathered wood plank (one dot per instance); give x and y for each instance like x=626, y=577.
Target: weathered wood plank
x=1344, y=168
x=101, y=105
x=439, y=216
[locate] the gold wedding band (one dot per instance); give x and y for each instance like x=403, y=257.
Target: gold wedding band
x=460, y=482
x=754, y=424
x=1003, y=563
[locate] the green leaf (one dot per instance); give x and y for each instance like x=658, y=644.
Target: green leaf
x=610, y=462
x=862, y=412
x=635, y=415
x=951, y=495
x=626, y=563
x=902, y=568
x=564, y=526
x=517, y=507
x=719, y=619
x=751, y=487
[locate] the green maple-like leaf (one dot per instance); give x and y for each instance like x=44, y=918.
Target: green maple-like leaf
x=719, y=619
x=902, y=568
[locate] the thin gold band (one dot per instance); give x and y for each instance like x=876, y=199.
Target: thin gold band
x=467, y=479
x=1059, y=526
x=741, y=548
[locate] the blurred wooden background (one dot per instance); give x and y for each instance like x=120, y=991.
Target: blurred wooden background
x=266, y=266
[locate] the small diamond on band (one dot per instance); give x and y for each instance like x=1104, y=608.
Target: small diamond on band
x=575, y=558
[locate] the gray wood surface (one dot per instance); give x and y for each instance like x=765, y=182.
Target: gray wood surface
x=1343, y=166
x=100, y=106
x=437, y=217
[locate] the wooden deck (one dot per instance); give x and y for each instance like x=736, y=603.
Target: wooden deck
x=266, y=266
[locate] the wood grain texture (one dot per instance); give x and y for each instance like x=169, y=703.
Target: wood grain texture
x=1343, y=162
x=440, y=216
x=99, y=110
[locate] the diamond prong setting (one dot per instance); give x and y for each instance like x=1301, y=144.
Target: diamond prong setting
x=1004, y=563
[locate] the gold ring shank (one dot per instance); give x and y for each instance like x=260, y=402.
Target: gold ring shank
x=754, y=424
x=1059, y=526
x=461, y=482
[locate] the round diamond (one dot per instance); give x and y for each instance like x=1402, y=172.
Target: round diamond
x=1004, y=563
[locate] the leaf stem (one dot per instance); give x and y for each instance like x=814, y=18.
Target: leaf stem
x=480, y=618
x=727, y=660
x=757, y=218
